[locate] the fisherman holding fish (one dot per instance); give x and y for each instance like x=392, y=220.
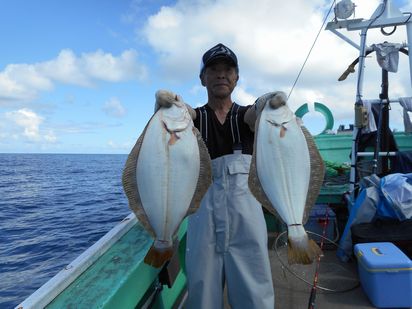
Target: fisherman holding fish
x=220, y=163
x=227, y=235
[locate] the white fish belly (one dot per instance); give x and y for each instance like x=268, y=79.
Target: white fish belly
x=283, y=168
x=167, y=174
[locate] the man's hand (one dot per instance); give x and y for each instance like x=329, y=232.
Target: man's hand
x=273, y=99
x=166, y=98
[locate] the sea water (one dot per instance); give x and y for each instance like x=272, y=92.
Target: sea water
x=52, y=208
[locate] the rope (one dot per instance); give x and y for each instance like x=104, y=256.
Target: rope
x=310, y=50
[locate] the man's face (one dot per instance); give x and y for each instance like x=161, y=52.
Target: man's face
x=220, y=78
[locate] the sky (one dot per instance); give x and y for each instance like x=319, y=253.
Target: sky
x=80, y=76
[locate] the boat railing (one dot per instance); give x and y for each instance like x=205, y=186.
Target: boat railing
x=47, y=292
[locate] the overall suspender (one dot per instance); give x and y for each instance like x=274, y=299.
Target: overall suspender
x=234, y=126
x=203, y=122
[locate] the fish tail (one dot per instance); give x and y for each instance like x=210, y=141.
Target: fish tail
x=156, y=257
x=301, y=249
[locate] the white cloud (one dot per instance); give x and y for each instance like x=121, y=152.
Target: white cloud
x=50, y=137
x=114, y=108
x=25, y=81
x=242, y=97
x=272, y=42
x=25, y=123
x=98, y=65
x=21, y=82
x=28, y=120
x=261, y=33
x=120, y=146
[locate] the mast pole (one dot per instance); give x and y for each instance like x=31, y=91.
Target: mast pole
x=358, y=105
x=409, y=42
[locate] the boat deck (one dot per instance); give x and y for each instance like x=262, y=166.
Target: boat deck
x=292, y=292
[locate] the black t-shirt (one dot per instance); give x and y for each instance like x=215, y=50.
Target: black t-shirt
x=218, y=137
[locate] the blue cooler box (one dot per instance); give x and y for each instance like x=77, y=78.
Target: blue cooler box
x=385, y=273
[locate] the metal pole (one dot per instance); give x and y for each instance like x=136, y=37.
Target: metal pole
x=384, y=130
x=359, y=89
x=409, y=43
x=337, y=33
x=362, y=56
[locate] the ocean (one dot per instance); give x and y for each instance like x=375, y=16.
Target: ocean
x=52, y=208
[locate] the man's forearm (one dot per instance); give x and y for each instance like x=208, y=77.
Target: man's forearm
x=191, y=111
x=250, y=117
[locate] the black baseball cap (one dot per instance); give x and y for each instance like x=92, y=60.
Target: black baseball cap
x=219, y=51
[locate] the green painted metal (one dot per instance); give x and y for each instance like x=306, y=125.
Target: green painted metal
x=120, y=278
x=325, y=111
x=302, y=110
x=332, y=195
x=337, y=149
x=403, y=140
x=321, y=108
x=182, y=247
x=108, y=279
x=334, y=148
x=274, y=224
x=167, y=298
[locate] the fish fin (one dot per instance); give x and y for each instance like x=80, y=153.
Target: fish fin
x=254, y=183
x=205, y=173
x=317, y=173
x=301, y=249
x=256, y=188
x=282, y=131
x=130, y=185
x=157, y=257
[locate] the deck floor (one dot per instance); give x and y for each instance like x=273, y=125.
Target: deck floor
x=292, y=292
x=338, y=282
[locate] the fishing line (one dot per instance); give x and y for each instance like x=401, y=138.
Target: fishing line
x=281, y=243
x=310, y=50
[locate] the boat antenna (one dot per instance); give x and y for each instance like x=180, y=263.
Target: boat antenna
x=310, y=50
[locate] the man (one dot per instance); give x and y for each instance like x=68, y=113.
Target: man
x=227, y=236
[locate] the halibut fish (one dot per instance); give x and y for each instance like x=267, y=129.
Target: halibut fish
x=286, y=173
x=166, y=174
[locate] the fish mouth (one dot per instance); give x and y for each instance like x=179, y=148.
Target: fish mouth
x=177, y=126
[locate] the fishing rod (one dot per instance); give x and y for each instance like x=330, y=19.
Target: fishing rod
x=312, y=297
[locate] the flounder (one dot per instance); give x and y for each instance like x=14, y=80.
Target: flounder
x=166, y=174
x=286, y=172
